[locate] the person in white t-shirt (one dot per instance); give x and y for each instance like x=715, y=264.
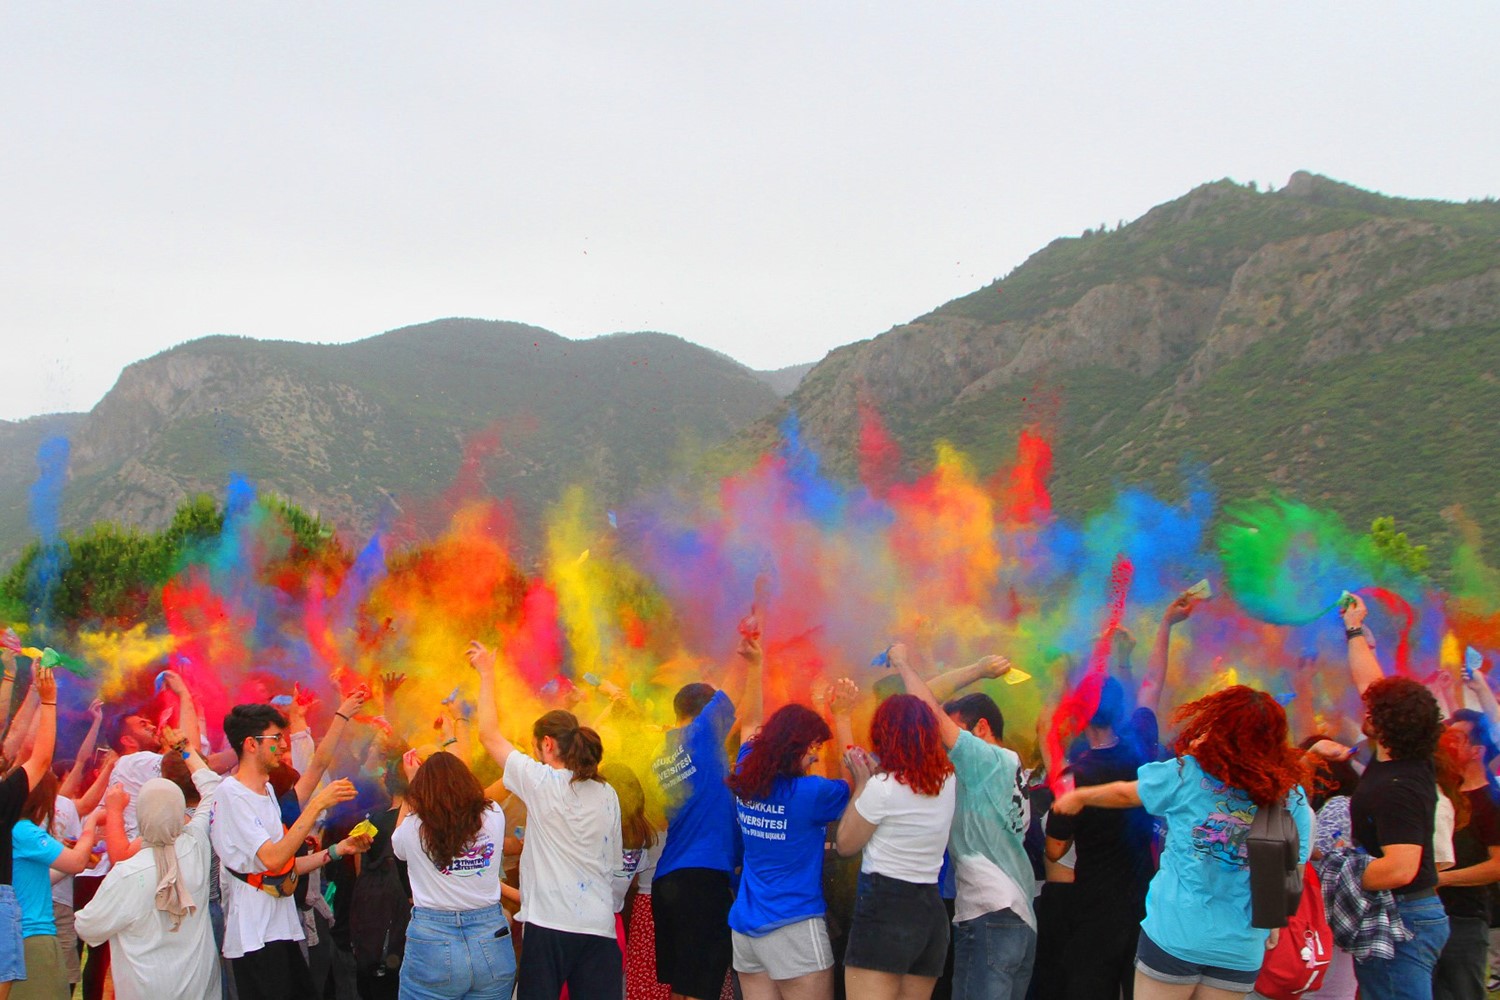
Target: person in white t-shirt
x=162, y=942
x=900, y=815
x=452, y=840
x=572, y=849
x=259, y=862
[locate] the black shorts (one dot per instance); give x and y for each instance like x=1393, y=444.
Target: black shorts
x=690, y=911
x=899, y=927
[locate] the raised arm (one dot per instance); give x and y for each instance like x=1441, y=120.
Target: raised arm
x=323, y=756
x=37, y=763
x=854, y=831
x=69, y=787
x=187, y=712
x=842, y=694
x=1363, y=666
x=1475, y=684
x=7, y=683
x=482, y=659
x=116, y=842
x=917, y=686
x=89, y=800
x=1148, y=695
x=20, y=726
x=742, y=685
x=946, y=685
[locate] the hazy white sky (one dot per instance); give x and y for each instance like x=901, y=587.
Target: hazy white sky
x=771, y=179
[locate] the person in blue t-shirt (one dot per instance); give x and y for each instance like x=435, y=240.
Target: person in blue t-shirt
x=691, y=892
x=1232, y=759
x=780, y=936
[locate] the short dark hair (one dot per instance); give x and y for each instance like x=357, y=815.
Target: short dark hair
x=973, y=707
x=245, y=721
x=692, y=698
x=1479, y=731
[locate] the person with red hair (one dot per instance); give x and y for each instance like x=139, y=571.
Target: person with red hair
x=1232, y=759
x=780, y=937
x=899, y=814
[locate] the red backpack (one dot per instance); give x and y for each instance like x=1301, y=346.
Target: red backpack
x=1300, y=959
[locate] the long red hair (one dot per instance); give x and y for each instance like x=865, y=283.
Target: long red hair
x=1239, y=735
x=905, y=736
x=777, y=751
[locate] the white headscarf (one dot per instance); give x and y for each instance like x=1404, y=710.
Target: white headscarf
x=159, y=810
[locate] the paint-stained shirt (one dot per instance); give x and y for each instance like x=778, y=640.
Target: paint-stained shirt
x=691, y=771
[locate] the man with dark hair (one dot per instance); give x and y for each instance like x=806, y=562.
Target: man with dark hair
x=1107, y=901
x=1465, y=888
x=690, y=893
x=994, y=928
x=1392, y=816
x=140, y=746
x=258, y=857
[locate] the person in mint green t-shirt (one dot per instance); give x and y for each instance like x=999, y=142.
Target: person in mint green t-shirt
x=994, y=928
x=1232, y=758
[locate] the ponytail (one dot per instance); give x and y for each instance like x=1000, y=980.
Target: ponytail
x=578, y=747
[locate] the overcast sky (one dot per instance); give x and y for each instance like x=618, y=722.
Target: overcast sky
x=770, y=179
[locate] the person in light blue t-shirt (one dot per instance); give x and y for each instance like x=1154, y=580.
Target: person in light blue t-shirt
x=780, y=936
x=1232, y=758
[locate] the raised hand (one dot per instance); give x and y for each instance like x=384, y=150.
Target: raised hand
x=481, y=657
x=994, y=666
x=1180, y=609
x=389, y=682
x=354, y=700
x=46, y=684
x=842, y=694
x=331, y=795
x=96, y=710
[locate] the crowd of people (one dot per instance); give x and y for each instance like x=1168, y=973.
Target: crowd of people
x=276, y=865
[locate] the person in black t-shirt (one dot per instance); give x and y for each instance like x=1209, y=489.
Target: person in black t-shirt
x=1465, y=888
x=1113, y=869
x=1392, y=814
x=14, y=790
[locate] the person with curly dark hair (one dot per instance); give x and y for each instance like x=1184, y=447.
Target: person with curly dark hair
x=899, y=815
x=1392, y=816
x=780, y=936
x=1233, y=758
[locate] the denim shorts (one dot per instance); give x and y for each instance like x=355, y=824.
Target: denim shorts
x=1163, y=967
x=455, y=953
x=898, y=927
x=12, y=945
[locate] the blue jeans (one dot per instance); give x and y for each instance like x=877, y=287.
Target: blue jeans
x=992, y=957
x=1408, y=976
x=458, y=953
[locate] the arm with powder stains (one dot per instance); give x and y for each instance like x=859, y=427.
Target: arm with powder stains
x=116, y=842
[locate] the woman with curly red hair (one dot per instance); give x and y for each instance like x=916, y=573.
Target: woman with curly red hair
x=781, y=946
x=899, y=813
x=1232, y=759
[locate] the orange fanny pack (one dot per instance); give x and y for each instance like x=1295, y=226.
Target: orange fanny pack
x=278, y=883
